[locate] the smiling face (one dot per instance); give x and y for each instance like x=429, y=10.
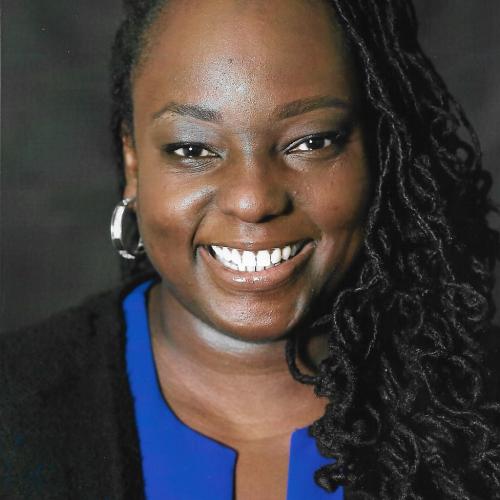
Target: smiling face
x=247, y=139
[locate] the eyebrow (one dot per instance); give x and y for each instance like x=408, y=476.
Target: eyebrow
x=281, y=112
x=305, y=105
x=193, y=110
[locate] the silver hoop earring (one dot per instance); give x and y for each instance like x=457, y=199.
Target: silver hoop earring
x=117, y=231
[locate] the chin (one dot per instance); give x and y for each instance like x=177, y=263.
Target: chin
x=258, y=327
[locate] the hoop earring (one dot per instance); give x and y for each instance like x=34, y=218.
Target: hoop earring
x=116, y=229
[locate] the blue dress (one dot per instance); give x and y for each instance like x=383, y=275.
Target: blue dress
x=178, y=462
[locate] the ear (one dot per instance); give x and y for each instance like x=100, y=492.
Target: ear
x=130, y=163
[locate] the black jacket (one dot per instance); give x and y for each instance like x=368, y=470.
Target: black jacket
x=67, y=425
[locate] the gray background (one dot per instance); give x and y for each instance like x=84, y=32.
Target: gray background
x=58, y=183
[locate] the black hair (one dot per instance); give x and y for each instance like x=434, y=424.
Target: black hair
x=409, y=415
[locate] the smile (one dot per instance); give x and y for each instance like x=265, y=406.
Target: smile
x=259, y=270
x=248, y=261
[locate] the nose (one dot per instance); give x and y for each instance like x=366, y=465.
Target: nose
x=253, y=192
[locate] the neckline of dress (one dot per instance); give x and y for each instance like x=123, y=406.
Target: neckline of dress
x=145, y=289
x=173, y=453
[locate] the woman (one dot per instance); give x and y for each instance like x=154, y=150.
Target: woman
x=311, y=200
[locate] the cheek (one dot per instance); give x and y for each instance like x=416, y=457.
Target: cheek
x=340, y=197
x=339, y=207
x=169, y=210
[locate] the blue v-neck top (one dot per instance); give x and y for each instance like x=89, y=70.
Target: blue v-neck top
x=178, y=462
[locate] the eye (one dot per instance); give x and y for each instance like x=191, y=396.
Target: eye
x=316, y=142
x=189, y=150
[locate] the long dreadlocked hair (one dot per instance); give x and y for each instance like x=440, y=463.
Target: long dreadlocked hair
x=408, y=415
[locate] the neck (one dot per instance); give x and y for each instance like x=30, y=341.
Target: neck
x=201, y=368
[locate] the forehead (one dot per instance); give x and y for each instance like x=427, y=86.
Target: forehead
x=245, y=51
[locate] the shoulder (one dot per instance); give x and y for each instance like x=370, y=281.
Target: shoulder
x=490, y=344
x=491, y=340
x=42, y=351
x=64, y=400
x=38, y=356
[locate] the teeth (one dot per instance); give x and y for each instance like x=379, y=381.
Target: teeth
x=236, y=257
x=276, y=256
x=263, y=258
x=226, y=254
x=246, y=261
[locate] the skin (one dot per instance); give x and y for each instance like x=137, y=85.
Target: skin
x=219, y=351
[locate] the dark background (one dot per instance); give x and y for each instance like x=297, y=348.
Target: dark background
x=58, y=184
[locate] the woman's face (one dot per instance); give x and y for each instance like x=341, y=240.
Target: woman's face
x=247, y=138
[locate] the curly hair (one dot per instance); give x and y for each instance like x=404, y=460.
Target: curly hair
x=408, y=413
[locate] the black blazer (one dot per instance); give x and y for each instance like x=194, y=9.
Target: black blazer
x=67, y=427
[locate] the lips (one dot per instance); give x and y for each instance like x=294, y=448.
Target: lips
x=257, y=271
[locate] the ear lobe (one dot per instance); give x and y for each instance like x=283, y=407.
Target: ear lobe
x=130, y=164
